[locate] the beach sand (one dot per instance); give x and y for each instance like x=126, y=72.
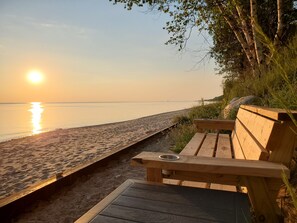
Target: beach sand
x=72, y=201
x=29, y=160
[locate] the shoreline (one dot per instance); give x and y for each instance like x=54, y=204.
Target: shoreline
x=84, y=126
x=28, y=160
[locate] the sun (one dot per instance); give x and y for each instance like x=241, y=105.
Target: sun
x=35, y=76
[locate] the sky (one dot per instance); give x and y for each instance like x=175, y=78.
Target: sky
x=93, y=50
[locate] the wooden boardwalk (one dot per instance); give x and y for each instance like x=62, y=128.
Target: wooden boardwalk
x=140, y=201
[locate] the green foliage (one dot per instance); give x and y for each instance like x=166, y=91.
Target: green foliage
x=182, y=135
x=233, y=113
x=283, y=90
x=181, y=120
x=209, y=111
x=231, y=40
x=277, y=88
x=215, y=99
x=186, y=130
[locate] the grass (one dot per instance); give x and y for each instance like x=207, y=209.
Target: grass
x=185, y=129
x=276, y=87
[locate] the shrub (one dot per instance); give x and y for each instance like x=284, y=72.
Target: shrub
x=182, y=135
x=186, y=130
x=182, y=119
x=209, y=111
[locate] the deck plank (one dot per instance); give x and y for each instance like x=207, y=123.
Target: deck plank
x=195, y=211
x=141, y=201
x=108, y=219
x=145, y=216
x=184, y=196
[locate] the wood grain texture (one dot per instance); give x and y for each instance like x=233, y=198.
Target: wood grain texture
x=273, y=113
x=194, y=145
x=214, y=124
x=250, y=147
x=259, y=127
x=238, y=153
x=206, y=177
x=206, y=150
x=191, y=149
x=224, y=146
x=154, y=175
x=208, y=147
x=265, y=206
x=147, y=202
x=194, y=183
x=223, y=151
x=212, y=165
x=286, y=144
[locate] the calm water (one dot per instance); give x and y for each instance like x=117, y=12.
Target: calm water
x=17, y=120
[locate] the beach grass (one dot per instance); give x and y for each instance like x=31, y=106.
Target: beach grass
x=185, y=129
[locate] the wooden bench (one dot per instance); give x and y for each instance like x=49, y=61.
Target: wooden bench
x=255, y=155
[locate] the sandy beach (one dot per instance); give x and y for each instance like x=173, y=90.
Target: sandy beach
x=29, y=160
x=72, y=201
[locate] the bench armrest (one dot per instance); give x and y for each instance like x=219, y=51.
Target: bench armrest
x=211, y=165
x=214, y=124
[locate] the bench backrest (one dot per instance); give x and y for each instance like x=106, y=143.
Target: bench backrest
x=264, y=134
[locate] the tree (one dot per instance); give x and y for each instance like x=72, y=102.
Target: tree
x=240, y=29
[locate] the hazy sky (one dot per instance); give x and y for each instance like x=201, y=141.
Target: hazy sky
x=93, y=50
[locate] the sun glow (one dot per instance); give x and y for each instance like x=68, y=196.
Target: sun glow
x=35, y=76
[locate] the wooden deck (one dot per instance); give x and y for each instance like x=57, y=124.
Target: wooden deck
x=141, y=201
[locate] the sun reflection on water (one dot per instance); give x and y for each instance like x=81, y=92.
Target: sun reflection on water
x=36, y=110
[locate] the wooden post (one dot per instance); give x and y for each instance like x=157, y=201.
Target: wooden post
x=265, y=206
x=154, y=175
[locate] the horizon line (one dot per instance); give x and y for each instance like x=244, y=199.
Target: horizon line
x=57, y=102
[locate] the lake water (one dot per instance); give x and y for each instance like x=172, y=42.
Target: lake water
x=18, y=120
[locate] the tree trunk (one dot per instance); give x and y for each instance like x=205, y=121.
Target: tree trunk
x=246, y=30
x=254, y=23
x=280, y=23
x=239, y=37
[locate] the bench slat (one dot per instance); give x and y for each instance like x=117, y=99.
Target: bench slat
x=273, y=113
x=238, y=154
x=258, y=126
x=214, y=124
x=224, y=146
x=208, y=146
x=192, y=148
x=223, y=151
x=206, y=149
x=251, y=149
